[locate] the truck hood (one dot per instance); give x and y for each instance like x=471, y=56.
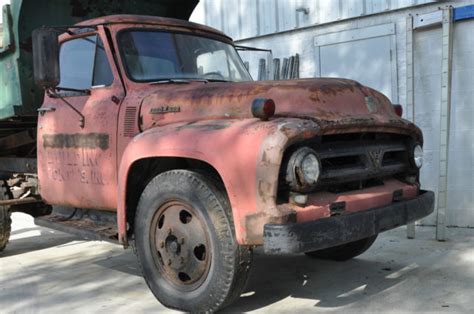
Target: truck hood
x=328, y=101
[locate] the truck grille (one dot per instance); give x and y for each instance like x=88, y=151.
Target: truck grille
x=356, y=161
x=345, y=161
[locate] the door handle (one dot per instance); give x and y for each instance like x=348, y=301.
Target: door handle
x=42, y=111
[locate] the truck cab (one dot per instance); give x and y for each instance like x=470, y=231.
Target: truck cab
x=152, y=133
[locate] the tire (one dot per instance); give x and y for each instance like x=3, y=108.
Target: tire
x=186, y=245
x=5, y=216
x=344, y=252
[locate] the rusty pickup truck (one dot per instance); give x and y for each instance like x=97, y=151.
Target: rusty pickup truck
x=150, y=132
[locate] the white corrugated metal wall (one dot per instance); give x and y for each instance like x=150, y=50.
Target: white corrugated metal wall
x=249, y=18
x=427, y=60
x=278, y=25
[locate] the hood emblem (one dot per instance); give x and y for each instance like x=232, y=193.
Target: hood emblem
x=165, y=109
x=376, y=158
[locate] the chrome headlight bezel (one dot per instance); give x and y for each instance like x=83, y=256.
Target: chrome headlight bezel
x=417, y=155
x=303, y=170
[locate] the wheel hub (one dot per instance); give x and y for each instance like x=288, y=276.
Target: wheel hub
x=173, y=245
x=181, y=243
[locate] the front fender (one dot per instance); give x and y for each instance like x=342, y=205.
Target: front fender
x=246, y=154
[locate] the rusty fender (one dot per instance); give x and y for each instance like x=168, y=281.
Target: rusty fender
x=246, y=153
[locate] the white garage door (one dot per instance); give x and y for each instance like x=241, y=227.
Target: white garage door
x=366, y=55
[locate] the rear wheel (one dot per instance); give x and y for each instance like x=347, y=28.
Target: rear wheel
x=344, y=252
x=186, y=245
x=5, y=220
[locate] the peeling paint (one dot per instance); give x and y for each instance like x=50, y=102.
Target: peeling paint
x=90, y=141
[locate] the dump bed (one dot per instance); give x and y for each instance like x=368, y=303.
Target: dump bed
x=19, y=97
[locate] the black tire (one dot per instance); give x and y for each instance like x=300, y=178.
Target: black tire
x=5, y=219
x=160, y=240
x=344, y=252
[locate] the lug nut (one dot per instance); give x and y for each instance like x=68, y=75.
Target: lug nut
x=182, y=260
x=162, y=244
x=182, y=241
x=169, y=262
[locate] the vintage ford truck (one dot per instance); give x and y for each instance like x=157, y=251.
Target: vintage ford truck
x=149, y=131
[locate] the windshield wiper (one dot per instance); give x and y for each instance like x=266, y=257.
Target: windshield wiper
x=171, y=81
x=218, y=80
x=179, y=81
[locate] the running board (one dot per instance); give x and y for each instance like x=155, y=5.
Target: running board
x=84, y=228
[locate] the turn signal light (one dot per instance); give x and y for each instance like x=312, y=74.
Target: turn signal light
x=263, y=108
x=398, y=110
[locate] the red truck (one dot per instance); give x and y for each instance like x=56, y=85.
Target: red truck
x=152, y=133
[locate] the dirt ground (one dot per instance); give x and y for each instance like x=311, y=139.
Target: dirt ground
x=43, y=271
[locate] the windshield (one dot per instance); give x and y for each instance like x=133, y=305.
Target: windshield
x=153, y=56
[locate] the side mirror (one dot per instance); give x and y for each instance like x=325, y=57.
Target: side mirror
x=46, y=57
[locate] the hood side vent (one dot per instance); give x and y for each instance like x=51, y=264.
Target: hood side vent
x=130, y=127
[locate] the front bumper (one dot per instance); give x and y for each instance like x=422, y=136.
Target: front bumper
x=333, y=231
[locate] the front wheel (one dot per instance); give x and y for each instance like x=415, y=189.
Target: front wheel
x=5, y=220
x=185, y=243
x=344, y=252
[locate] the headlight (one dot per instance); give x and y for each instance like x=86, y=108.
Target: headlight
x=418, y=156
x=303, y=169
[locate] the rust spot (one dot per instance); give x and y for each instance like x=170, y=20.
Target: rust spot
x=90, y=140
x=254, y=223
x=216, y=125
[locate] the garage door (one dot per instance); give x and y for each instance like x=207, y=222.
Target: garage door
x=366, y=55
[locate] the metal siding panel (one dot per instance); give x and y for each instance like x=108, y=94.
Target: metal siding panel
x=258, y=17
x=405, y=3
x=460, y=207
x=352, y=8
x=248, y=17
x=377, y=6
x=287, y=14
x=267, y=16
x=231, y=20
x=214, y=14
x=369, y=6
x=380, y=6
x=313, y=7
x=329, y=11
x=303, y=12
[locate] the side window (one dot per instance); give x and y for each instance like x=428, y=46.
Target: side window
x=102, y=73
x=83, y=64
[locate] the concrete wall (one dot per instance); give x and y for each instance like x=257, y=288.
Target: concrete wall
x=427, y=65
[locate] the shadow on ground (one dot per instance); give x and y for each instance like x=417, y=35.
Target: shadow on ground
x=83, y=275
x=43, y=239
x=327, y=284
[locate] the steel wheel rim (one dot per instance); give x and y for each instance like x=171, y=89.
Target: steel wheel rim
x=180, y=244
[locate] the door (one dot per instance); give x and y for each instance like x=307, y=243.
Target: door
x=367, y=55
x=77, y=127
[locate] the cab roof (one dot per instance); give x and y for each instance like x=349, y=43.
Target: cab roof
x=152, y=20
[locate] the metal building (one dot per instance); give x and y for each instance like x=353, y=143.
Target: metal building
x=420, y=53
